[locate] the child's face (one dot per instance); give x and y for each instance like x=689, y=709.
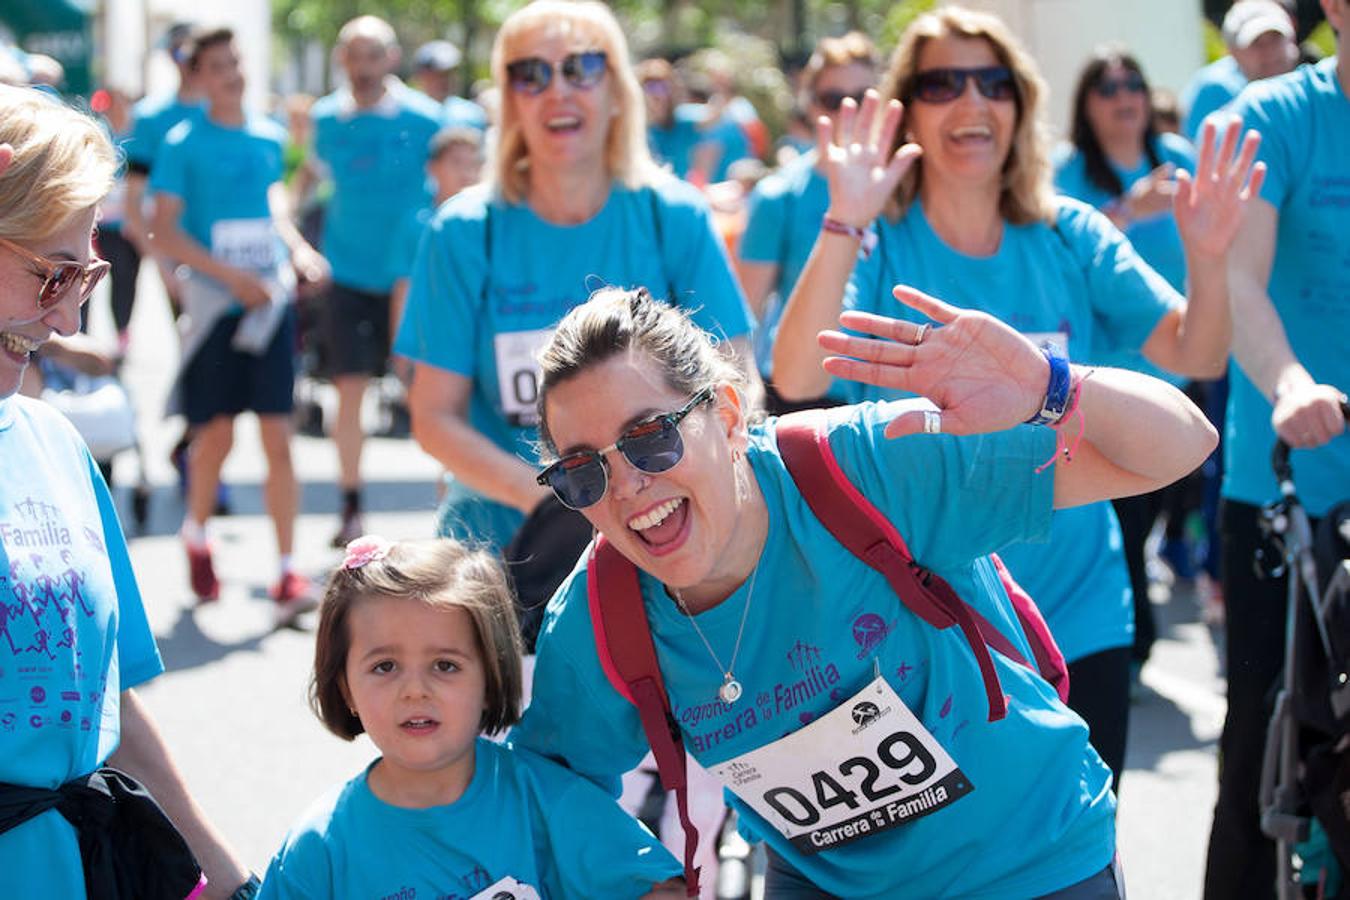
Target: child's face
x=456, y=168
x=415, y=678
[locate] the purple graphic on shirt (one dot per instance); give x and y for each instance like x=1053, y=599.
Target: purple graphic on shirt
x=805, y=718
x=946, y=708
x=803, y=655
x=95, y=540
x=869, y=630
x=903, y=671
x=40, y=644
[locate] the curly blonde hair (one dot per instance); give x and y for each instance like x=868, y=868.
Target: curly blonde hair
x=588, y=25
x=1026, y=195
x=63, y=164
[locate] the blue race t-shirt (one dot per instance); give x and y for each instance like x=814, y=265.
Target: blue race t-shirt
x=1208, y=91
x=1081, y=285
x=1156, y=238
x=673, y=145
x=492, y=279
x=221, y=173
x=822, y=626
x=73, y=634
x=377, y=160
x=785, y=210
x=522, y=817
x=152, y=119
x=1304, y=120
x=408, y=233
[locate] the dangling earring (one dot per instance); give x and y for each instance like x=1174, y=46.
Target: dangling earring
x=735, y=454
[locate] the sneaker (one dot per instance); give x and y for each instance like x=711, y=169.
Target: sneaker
x=293, y=595
x=351, y=529
x=202, y=573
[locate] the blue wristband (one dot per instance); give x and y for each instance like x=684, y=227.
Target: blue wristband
x=1056, y=391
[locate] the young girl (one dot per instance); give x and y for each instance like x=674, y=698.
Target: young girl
x=418, y=647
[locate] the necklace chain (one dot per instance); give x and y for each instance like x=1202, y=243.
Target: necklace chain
x=728, y=672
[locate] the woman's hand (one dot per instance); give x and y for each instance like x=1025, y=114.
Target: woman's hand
x=1209, y=208
x=1309, y=415
x=1153, y=194
x=982, y=375
x=855, y=156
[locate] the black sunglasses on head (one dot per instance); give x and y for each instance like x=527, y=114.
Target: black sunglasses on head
x=1107, y=88
x=833, y=100
x=945, y=85
x=653, y=446
x=534, y=74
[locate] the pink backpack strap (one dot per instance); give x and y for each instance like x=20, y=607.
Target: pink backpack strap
x=803, y=441
x=1049, y=659
x=623, y=640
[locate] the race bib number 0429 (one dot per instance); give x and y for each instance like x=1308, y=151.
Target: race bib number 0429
x=867, y=766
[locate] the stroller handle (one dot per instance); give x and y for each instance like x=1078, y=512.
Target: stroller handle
x=1279, y=457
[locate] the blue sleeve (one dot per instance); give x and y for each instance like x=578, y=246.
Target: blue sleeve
x=954, y=499
x=144, y=139
x=137, y=656
x=596, y=849
x=697, y=265
x=403, y=251
x=169, y=173
x=1128, y=297
x=448, y=281
x=766, y=225
x=1210, y=98
x=570, y=686
x=1261, y=107
x=299, y=870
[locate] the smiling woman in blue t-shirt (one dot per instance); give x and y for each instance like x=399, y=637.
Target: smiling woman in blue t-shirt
x=575, y=202
x=957, y=184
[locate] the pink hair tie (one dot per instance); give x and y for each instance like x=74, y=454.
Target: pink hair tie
x=368, y=548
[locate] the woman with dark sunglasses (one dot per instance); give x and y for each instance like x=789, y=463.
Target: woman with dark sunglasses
x=80, y=755
x=768, y=631
x=574, y=202
x=951, y=193
x=1119, y=163
x=785, y=208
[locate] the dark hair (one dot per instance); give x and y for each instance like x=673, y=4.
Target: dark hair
x=443, y=574
x=614, y=321
x=204, y=39
x=1099, y=171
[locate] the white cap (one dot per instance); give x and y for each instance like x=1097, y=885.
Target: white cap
x=1249, y=19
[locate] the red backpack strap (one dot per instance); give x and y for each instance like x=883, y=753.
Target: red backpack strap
x=803, y=441
x=1049, y=659
x=623, y=640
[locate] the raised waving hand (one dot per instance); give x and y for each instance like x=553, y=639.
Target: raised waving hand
x=1209, y=208
x=855, y=155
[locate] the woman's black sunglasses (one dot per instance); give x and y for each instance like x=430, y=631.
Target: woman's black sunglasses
x=1107, y=88
x=945, y=85
x=831, y=101
x=533, y=75
x=653, y=446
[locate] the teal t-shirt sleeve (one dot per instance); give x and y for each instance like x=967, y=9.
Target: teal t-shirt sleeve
x=300, y=869
x=595, y=849
x=137, y=656
x=1128, y=297
x=406, y=244
x=1260, y=107
x=766, y=224
x=169, y=173
x=953, y=499
x=449, y=276
x=575, y=715
x=696, y=262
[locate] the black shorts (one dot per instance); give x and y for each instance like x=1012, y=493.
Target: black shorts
x=223, y=381
x=353, y=332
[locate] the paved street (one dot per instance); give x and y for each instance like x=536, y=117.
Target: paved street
x=232, y=701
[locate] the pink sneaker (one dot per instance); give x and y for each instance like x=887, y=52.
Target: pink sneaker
x=202, y=573
x=293, y=595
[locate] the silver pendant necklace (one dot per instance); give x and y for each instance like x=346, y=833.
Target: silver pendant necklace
x=731, y=689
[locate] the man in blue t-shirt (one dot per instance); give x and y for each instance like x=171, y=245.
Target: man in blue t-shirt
x=220, y=208
x=372, y=137
x=1290, y=287
x=1261, y=43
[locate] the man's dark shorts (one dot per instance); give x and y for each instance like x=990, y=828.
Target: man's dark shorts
x=353, y=332
x=223, y=381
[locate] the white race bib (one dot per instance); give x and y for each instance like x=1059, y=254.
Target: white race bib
x=866, y=766
x=507, y=889
x=245, y=244
x=518, y=373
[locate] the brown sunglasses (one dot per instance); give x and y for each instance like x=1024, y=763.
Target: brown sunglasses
x=59, y=276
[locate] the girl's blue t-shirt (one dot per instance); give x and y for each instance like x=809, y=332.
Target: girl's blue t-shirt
x=522, y=817
x=822, y=626
x=1080, y=284
x=1304, y=120
x=1156, y=238
x=73, y=634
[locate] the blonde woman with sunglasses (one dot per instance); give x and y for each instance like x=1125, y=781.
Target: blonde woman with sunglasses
x=946, y=183
x=80, y=756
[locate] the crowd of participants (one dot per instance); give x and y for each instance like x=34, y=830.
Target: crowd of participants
x=394, y=232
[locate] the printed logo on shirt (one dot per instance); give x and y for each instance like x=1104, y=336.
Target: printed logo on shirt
x=869, y=631
x=43, y=589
